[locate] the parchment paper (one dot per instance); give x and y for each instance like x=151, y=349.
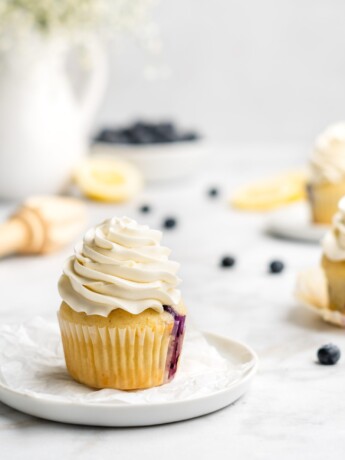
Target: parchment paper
x=32, y=363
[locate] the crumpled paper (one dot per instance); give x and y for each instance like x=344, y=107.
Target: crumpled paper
x=32, y=363
x=311, y=292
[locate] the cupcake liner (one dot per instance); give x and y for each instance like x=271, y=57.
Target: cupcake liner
x=324, y=201
x=335, y=275
x=123, y=358
x=311, y=292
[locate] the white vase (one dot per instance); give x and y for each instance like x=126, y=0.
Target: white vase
x=44, y=124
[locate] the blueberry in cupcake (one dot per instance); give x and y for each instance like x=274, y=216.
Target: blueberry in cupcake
x=122, y=318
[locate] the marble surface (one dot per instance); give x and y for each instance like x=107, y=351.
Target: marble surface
x=295, y=406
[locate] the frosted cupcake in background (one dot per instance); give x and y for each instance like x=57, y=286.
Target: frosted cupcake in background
x=122, y=318
x=333, y=260
x=327, y=173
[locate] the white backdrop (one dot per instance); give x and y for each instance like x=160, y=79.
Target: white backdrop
x=241, y=70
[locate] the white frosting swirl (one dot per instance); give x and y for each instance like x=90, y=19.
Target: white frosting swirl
x=327, y=163
x=334, y=241
x=120, y=264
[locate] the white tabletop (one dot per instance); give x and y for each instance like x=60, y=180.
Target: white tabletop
x=295, y=407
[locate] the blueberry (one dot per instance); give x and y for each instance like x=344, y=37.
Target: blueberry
x=145, y=208
x=276, y=266
x=169, y=222
x=213, y=192
x=140, y=125
x=107, y=135
x=328, y=354
x=189, y=136
x=112, y=136
x=227, y=262
x=140, y=133
x=123, y=137
x=165, y=132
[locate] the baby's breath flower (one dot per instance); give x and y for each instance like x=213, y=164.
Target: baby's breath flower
x=18, y=17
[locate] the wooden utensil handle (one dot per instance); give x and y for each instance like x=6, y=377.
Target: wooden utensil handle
x=13, y=236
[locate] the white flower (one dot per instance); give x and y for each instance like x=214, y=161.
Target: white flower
x=18, y=17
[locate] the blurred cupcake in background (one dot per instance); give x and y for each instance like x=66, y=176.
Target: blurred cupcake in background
x=333, y=260
x=327, y=173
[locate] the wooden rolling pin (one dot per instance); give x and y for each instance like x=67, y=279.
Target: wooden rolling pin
x=42, y=224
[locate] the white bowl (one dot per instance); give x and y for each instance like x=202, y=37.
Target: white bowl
x=294, y=222
x=159, y=162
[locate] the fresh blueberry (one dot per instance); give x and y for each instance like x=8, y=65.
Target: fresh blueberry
x=123, y=137
x=139, y=133
x=328, y=354
x=112, y=136
x=165, y=132
x=107, y=135
x=145, y=209
x=189, y=136
x=213, y=192
x=227, y=262
x=169, y=222
x=276, y=266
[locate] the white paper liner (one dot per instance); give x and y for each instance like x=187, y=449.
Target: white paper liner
x=311, y=292
x=32, y=363
x=142, y=351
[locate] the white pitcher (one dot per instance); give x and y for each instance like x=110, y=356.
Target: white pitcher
x=44, y=125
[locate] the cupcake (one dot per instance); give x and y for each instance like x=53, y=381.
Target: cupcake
x=333, y=260
x=122, y=318
x=327, y=174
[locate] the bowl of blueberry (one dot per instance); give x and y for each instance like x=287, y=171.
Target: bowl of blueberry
x=162, y=151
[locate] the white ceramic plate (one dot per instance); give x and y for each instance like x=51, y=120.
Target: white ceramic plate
x=120, y=414
x=159, y=162
x=293, y=222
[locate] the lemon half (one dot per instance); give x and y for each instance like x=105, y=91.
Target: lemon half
x=109, y=179
x=271, y=193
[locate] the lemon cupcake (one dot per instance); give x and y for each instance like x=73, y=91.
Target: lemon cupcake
x=122, y=318
x=333, y=260
x=327, y=173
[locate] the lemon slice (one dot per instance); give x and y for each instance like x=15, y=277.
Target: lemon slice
x=106, y=178
x=268, y=194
